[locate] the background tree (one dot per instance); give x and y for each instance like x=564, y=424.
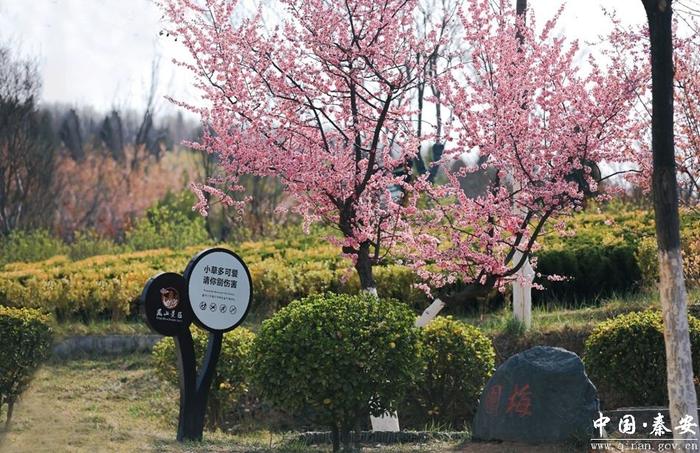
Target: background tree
x=26, y=152
x=687, y=116
x=322, y=102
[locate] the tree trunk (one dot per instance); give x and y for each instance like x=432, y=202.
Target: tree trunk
x=364, y=269
x=335, y=438
x=346, y=438
x=679, y=366
x=10, y=409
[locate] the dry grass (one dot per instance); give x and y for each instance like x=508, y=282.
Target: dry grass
x=118, y=405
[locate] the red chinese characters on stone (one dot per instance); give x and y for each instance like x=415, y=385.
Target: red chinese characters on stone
x=519, y=402
x=493, y=399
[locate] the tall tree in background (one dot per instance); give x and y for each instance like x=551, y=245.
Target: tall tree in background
x=679, y=366
x=26, y=148
x=322, y=102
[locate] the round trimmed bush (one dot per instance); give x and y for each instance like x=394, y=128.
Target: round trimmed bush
x=26, y=342
x=337, y=358
x=458, y=359
x=626, y=359
x=229, y=394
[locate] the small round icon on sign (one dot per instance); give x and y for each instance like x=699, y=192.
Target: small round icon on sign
x=212, y=306
x=169, y=297
x=203, y=305
x=222, y=308
x=232, y=309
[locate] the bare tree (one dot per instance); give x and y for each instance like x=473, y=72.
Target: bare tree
x=679, y=365
x=26, y=148
x=431, y=64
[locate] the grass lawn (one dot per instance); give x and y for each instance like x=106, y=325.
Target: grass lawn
x=118, y=405
x=544, y=319
x=554, y=318
x=102, y=327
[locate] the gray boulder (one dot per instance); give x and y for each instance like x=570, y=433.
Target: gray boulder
x=541, y=395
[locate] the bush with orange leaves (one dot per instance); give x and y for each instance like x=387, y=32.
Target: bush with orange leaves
x=106, y=195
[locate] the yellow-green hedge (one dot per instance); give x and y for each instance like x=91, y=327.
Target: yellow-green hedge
x=108, y=286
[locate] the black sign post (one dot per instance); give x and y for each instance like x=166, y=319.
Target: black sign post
x=215, y=292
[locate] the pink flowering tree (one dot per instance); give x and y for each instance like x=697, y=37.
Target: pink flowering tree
x=630, y=50
x=323, y=102
x=540, y=123
x=687, y=101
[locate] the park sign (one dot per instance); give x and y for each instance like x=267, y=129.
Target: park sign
x=215, y=292
x=166, y=308
x=219, y=289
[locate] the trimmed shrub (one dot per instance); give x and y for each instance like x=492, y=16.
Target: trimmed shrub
x=229, y=396
x=592, y=271
x=26, y=342
x=626, y=359
x=613, y=251
x=458, y=359
x=337, y=358
x=647, y=257
x=107, y=286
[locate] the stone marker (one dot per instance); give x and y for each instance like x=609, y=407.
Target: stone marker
x=542, y=395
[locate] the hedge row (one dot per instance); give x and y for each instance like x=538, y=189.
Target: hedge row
x=611, y=253
x=612, y=357
x=108, y=286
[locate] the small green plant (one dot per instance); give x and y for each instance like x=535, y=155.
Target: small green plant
x=337, y=358
x=26, y=342
x=167, y=225
x=625, y=357
x=514, y=327
x=29, y=246
x=458, y=359
x=89, y=243
x=229, y=392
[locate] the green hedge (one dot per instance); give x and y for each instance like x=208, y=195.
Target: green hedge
x=626, y=359
x=229, y=397
x=457, y=360
x=25, y=342
x=337, y=358
x=591, y=272
x=612, y=252
x=109, y=285
x=600, y=260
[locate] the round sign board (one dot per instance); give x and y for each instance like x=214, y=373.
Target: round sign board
x=166, y=304
x=219, y=289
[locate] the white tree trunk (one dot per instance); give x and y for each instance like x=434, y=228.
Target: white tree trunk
x=679, y=361
x=522, y=292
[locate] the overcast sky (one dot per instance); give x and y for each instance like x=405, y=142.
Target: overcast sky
x=99, y=52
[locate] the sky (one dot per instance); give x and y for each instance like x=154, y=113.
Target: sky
x=99, y=53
